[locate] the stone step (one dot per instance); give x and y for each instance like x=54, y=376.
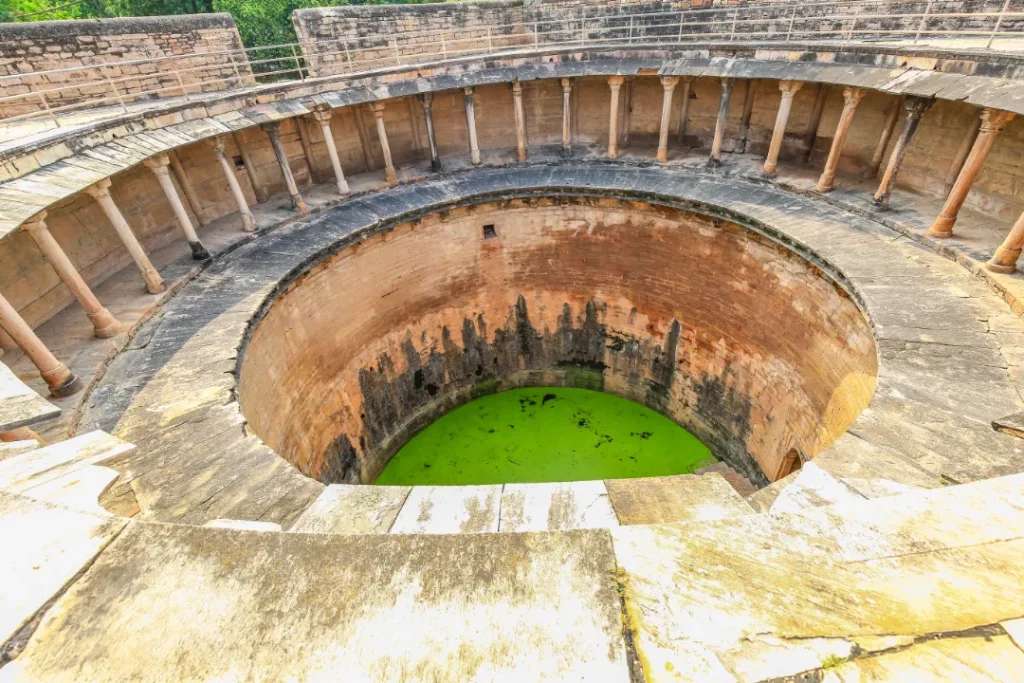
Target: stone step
x=743, y=486
x=811, y=486
x=9, y=449
x=767, y=596
x=34, y=468
x=678, y=498
x=285, y=606
x=554, y=506
x=20, y=406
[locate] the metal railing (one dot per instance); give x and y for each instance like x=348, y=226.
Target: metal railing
x=960, y=23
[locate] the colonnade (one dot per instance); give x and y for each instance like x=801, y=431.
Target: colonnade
x=170, y=176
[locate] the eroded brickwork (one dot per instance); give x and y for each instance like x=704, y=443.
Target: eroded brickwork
x=736, y=338
x=201, y=46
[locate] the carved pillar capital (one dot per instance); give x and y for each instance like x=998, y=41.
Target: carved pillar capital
x=426, y=100
x=994, y=120
x=273, y=129
x=727, y=84
x=669, y=82
x=217, y=144
x=615, y=82
x=99, y=190
x=323, y=114
x=160, y=164
x=378, y=109
x=566, y=85
x=468, y=92
x=790, y=88
x=852, y=96
x=517, y=88
x=37, y=222
x=916, y=106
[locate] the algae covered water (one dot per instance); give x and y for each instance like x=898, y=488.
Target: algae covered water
x=545, y=434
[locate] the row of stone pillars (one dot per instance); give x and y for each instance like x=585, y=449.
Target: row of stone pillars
x=967, y=166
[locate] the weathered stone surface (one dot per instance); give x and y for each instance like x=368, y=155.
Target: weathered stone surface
x=681, y=498
x=353, y=509
x=556, y=507
x=19, y=405
x=981, y=659
x=22, y=472
x=748, y=591
x=449, y=510
x=811, y=487
x=212, y=604
x=44, y=547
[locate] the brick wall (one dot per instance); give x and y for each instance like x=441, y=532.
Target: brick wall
x=340, y=39
x=199, y=41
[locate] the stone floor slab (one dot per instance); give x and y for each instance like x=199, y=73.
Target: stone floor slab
x=352, y=509
x=174, y=603
x=449, y=510
x=556, y=506
x=680, y=498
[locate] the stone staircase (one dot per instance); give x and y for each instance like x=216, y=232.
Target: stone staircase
x=397, y=583
x=821, y=576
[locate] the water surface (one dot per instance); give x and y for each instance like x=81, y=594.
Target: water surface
x=545, y=434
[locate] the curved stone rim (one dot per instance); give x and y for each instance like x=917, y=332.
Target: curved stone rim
x=196, y=353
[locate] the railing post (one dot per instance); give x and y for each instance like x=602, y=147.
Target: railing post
x=732, y=30
x=234, y=65
x=924, y=20
x=394, y=48
x=792, y=18
x=298, y=64
x=679, y=39
x=630, y=41
x=999, y=23
x=490, y=39
x=348, y=55
x=444, y=48
x=117, y=93
x=181, y=84
x=46, y=106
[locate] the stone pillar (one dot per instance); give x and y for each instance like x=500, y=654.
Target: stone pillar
x=322, y=115
x=56, y=374
x=748, y=111
x=427, y=101
x=382, y=134
x=915, y=108
x=788, y=90
x=851, y=98
x=104, y=324
x=248, y=221
x=1005, y=258
x=883, y=140
x=307, y=150
x=566, y=116
x=723, y=112
x=615, y=85
x=811, y=133
x=684, y=109
x=160, y=166
x=627, y=112
x=474, y=146
x=520, y=117
x=668, y=85
x=188, y=189
x=961, y=155
x=274, y=133
x=101, y=193
x=992, y=122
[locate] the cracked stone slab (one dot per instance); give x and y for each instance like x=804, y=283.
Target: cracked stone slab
x=353, y=509
x=678, y=498
x=556, y=506
x=449, y=510
x=817, y=583
x=45, y=547
x=236, y=605
x=19, y=405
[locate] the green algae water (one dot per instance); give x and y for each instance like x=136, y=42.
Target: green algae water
x=545, y=434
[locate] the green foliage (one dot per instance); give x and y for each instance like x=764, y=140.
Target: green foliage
x=260, y=22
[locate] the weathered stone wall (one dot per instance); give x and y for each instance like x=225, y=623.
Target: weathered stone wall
x=340, y=39
x=733, y=336
x=197, y=43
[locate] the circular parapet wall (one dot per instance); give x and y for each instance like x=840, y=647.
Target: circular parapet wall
x=731, y=334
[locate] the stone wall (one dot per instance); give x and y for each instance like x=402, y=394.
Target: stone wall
x=347, y=38
x=352, y=37
x=731, y=335
x=194, y=44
